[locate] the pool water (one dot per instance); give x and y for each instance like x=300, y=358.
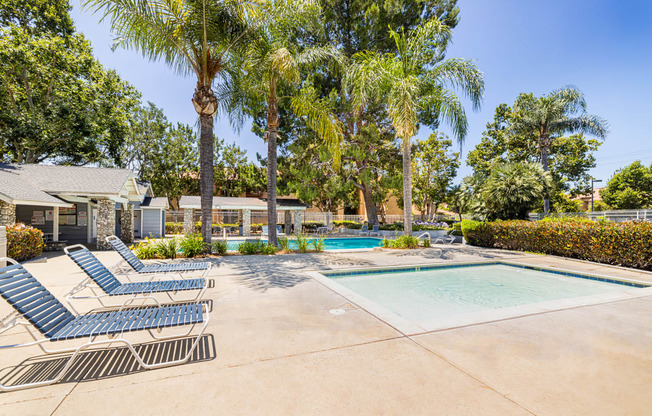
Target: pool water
x=425, y=295
x=330, y=243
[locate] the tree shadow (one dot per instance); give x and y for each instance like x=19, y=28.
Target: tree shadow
x=454, y=253
x=102, y=364
x=262, y=273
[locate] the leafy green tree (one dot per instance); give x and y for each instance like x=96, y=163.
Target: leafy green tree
x=234, y=174
x=196, y=38
x=629, y=188
x=570, y=157
x=513, y=189
x=38, y=17
x=57, y=102
x=413, y=81
x=434, y=167
x=549, y=117
x=353, y=26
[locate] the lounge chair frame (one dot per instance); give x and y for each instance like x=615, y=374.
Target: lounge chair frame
x=91, y=285
x=143, y=269
x=17, y=319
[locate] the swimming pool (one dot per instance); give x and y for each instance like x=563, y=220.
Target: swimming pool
x=353, y=243
x=434, y=297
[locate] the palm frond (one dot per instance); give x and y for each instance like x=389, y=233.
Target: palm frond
x=448, y=106
x=585, y=123
x=462, y=74
x=320, y=118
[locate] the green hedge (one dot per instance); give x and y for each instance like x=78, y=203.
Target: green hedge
x=626, y=244
x=24, y=242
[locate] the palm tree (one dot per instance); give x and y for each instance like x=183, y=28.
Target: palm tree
x=196, y=37
x=414, y=82
x=513, y=189
x=270, y=61
x=561, y=111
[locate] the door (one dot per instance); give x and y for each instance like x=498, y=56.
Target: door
x=93, y=223
x=138, y=223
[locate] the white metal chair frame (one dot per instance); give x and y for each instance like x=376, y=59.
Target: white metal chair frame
x=89, y=284
x=14, y=319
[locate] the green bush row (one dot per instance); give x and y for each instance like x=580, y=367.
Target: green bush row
x=626, y=244
x=169, y=248
x=24, y=242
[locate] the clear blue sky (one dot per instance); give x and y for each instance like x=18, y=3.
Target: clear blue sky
x=603, y=47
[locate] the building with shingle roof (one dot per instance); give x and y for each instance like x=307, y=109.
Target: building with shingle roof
x=79, y=204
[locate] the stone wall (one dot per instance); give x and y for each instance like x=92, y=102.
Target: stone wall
x=105, y=222
x=246, y=222
x=3, y=245
x=7, y=213
x=127, y=223
x=288, y=222
x=298, y=221
x=188, y=221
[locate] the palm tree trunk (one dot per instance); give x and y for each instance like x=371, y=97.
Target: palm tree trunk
x=272, y=133
x=206, y=106
x=544, y=164
x=206, y=176
x=407, y=187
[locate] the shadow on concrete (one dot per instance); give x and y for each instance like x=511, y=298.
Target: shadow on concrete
x=453, y=253
x=102, y=364
x=285, y=270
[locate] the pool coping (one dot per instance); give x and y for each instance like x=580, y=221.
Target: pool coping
x=410, y=328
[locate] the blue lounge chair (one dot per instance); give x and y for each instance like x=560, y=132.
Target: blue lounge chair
x=139, y=267
x=99, y=276
x=375, y=230
x=364, y=230
x=34, y=306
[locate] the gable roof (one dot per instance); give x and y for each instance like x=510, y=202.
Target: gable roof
x=226, y=202
x=40, y=183
x=155, y=202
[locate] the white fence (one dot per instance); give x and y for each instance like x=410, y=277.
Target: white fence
x=615, y=216
x=260, y=217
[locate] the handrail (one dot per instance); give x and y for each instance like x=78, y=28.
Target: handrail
x=428, y=234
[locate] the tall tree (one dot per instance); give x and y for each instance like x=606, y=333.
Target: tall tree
x=570, y=158
x=272, y=60
x=414, y=80
x=57, y=102
x=549, y=117
x=434, y=167
x=629, y=188
x=194, y=37
x=38, y=17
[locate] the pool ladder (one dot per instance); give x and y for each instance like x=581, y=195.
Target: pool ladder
x=427, y=235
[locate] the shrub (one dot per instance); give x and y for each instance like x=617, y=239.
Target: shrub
x=318, y=244
x=219, y=247
x=348, y=224
x=625, y=243
x=477, y=233
x=283, y=243
x=145, y=250
x=256, y=247
x=24, y=242
x=426, y=242
x=192, y=245
x=167, y=248
x=302, y=242
x=173, y=228
x=404, y=241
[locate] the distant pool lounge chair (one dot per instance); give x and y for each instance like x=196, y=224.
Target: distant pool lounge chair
x=35, y=307
x=139, y=267
x=449, y=238
x=99, y=277
x=279, y=230
x=364, y=230
x=375, y=230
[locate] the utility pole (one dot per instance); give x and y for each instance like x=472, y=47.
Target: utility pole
x=593, y=181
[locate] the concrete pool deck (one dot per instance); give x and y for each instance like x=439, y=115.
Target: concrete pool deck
x=273, y=348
